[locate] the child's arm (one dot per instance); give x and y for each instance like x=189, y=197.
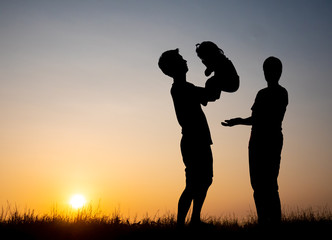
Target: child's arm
x=237, y=121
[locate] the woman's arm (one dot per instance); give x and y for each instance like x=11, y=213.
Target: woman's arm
x=237, y=121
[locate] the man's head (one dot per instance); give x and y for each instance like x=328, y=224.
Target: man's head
x=272, y=68
x=172, y=63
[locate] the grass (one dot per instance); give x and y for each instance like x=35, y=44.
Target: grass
x=89, y=223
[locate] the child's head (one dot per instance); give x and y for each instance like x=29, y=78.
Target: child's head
x=272, y=68
x=172, y=63
x=208, y=50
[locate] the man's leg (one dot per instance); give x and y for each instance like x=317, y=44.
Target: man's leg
x=199, y=199
x=203, y=180
x=183, y=206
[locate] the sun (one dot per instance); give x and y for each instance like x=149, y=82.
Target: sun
x=77, y=201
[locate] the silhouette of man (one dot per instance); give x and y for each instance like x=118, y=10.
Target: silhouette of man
x=266, y=142
x=196, y=138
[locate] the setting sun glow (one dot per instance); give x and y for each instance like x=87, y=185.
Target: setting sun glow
x=77, y=201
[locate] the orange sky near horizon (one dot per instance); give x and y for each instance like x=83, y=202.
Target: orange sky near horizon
x=86, y=110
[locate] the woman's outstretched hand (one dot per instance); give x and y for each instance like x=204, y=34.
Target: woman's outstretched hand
x=231, y=122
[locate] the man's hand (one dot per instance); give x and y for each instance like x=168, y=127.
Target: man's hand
x=208, y=71
x=232, y=122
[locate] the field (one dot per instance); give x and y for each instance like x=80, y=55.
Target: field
x=92, y=224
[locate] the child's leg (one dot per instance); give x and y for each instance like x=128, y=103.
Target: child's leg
x=227, y=77
x=213, y=88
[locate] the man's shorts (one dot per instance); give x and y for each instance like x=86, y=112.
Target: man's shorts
x=199, y=164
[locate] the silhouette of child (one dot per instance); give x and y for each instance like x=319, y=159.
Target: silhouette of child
x=225, y=76
x=196, y=139
x=266, y=142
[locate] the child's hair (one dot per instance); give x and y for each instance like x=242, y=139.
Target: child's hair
x=207, y=48
x=165, y=62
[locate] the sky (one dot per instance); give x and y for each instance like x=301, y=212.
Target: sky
x=85, y=108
